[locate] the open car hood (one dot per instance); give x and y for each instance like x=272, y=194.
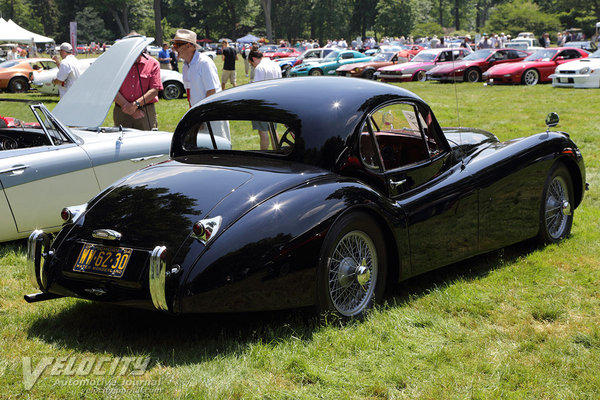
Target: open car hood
x=87, y=102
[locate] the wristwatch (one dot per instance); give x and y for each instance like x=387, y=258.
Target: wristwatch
x=137, y=104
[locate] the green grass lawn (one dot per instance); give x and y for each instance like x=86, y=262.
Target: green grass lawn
x=521, y=322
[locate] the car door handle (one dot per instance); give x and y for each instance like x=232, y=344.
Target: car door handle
x=16, y=169
x=397, y=183
x=146, y=158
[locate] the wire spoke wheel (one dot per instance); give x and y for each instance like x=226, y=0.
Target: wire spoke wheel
x=352, y=273
x=557, y=207
x=556, y=217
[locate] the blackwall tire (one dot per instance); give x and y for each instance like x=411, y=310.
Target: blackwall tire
x=556, y=210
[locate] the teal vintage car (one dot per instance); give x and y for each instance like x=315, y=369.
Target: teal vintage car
x=334, y=60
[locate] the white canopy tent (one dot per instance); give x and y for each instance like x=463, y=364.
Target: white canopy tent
x=11, y=32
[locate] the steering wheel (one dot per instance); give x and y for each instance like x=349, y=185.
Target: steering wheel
x=8, y=143
x=285, y=138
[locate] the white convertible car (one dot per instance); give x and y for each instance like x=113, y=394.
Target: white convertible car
x=582, y=73
x=45, y=165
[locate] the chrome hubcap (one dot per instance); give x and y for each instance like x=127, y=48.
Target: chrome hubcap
x=352, y=273
x=558, y=208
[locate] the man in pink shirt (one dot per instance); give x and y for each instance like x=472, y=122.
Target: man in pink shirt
x=134, y=103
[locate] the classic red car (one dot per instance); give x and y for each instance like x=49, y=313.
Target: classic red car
x=367, y=69
x=534, y=69
x=412, y=49
x=471, y=67
x=415, y=69
x=282, y=52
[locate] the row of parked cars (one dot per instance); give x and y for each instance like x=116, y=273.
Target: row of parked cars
x=21, y=75
x=563, y=66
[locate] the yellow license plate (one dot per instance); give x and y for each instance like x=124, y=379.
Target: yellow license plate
x=102, y=260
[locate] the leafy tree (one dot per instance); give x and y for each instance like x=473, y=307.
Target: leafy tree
x=427, y=29
x=395, y=17
x=329, y=19
x=521, y=16
x=291, y=19
x=90, y=27
x=363, y=16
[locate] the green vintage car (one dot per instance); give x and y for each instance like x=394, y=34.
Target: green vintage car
x=334, y=60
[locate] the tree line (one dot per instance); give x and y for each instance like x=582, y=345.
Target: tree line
x=105, y=20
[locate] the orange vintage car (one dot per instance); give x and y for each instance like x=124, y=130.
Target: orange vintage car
x=15, y=75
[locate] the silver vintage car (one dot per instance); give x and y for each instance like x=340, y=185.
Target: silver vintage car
x=47, y=164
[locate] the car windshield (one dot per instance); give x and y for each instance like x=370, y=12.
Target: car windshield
x=8, y=64
x=425, y=57
x=383, y=57
x=24, y=124
x=595, y=54
x=262, y=49
x=542, y=55
x=331, y=56
x=478, y=55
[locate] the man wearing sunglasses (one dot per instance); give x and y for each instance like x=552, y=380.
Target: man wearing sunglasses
x=200, y=76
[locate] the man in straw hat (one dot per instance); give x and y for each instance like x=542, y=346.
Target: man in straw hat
x=134, y=103
x=200, y=76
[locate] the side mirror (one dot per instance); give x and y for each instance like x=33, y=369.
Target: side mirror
x=552, y=120
x=559, y=58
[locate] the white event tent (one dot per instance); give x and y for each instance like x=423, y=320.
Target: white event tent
x=11, y=32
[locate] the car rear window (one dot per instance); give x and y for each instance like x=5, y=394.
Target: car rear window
x=243, y=135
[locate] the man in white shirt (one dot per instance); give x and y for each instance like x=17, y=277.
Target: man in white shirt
x=200, y=76
x=264, y=69
x=69, y=69
x=12, y=54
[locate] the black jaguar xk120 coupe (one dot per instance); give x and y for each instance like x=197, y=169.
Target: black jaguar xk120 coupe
x=360, y=188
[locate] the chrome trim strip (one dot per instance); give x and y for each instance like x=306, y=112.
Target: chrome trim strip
x=146, y=158
x=157, y=274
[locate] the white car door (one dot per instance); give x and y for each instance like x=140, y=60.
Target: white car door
x=125, y=152
x=39, y=181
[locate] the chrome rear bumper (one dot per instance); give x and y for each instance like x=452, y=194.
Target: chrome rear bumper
x=157, y=275
x=37, y=243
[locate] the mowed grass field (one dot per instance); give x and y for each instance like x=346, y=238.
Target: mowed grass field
x=519, y=323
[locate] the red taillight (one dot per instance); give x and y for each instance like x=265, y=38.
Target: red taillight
x=198, y=229
x=65, y=214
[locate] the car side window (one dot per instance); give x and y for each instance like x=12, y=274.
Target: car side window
x=347, y=55
x=398, y=135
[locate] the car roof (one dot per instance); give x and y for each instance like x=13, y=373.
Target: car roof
x=322, y=111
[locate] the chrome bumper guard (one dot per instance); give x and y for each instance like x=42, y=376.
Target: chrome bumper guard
x=36, y=244
x=157, y=276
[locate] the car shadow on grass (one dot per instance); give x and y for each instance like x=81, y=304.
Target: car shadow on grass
x=467, y=270
x=187, y=339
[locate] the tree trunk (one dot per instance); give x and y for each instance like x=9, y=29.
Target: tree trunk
x=119, y=24
x=267, y=10
x=456, y=14
x=126, y=19
x=158, y=34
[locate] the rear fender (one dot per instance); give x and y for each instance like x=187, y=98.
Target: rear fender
x=268, y=258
